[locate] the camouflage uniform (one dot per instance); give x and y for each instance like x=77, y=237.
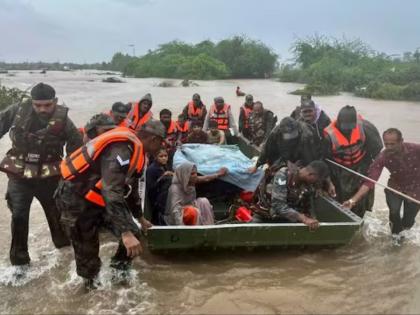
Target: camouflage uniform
x=83, y=219
x=32, y=166
x=282, y=200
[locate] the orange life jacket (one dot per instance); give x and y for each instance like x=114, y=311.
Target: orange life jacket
x=82, y=159
x=183, y=130
x=221, y=117
x=195, y=113
x=247, y=113
x=345, y=152
x=134, y=121
x=172, y=133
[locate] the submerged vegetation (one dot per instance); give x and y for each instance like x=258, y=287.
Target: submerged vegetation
x=329, y=65
x=236, y=57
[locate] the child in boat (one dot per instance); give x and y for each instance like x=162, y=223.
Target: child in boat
x=158, y=181
x=182, y=206
x=214, y=135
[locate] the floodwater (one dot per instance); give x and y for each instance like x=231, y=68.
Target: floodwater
x=367, y=276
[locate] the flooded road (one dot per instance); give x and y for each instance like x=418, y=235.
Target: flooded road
x=367, y=276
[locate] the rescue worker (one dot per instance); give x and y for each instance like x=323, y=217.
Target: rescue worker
x=195, y=110
x=183, y=128
x=261, y=122
x=288, y=198
x=244, y=114
x=222, y=114
x=38, y=129
x=291, y=140
x=92, y=193
x=402, y=159
x=140, y=112
x=118, y=113
x=353, y=142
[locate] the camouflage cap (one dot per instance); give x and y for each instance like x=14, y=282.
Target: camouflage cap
x=154, y=127
x=100, y=120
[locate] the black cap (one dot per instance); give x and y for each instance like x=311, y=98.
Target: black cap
x=249, y=97
x=347, y=118
x=120, y=108
x=42, y=92
x=289, y=128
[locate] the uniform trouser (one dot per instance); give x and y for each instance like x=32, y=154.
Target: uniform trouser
x=19, y=196
x=83, y=221
x=410, y=211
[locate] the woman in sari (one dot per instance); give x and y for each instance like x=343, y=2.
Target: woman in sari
x=182, y=206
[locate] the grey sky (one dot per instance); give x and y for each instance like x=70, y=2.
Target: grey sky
x=93, y=30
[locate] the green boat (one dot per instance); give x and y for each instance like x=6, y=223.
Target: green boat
x=338, y=226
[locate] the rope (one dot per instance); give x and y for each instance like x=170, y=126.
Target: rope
x=374, y=181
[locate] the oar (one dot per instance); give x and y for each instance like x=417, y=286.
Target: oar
x=374, y=181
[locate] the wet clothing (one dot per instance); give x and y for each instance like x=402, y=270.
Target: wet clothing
x=410, y=210
x=32, y=168
x=261, y=126
x=200, y=137
x=192, y=113
x=404, y=176
x=302, y=149
x=83, y=219
x=346, y=183
x=404, y=170
x=219, y=138
x=281, y=198
x=19, y=196
x=182, y=195
x=157, y=187
x=243, y=123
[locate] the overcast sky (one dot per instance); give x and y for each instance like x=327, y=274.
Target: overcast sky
x=93, y=30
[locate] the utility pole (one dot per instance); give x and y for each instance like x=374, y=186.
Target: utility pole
x=134, y=49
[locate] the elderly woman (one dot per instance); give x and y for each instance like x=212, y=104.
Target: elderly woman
x=182, y=206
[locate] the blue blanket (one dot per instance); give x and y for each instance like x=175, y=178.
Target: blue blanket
x=210, y=158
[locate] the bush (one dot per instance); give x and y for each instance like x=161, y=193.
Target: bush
x=10, y=96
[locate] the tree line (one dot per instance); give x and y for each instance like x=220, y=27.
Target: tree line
x=236, y=57
x=329, y=65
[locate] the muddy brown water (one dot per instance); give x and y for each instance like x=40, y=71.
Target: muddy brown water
x=367, y=276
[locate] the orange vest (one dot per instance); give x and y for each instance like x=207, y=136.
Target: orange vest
x=171, y=133
x=347, y=153
x=247, y=113
x=82, y=159
x=221, y=117
x=133, y=119
x=195, y=112
x=183, y=130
